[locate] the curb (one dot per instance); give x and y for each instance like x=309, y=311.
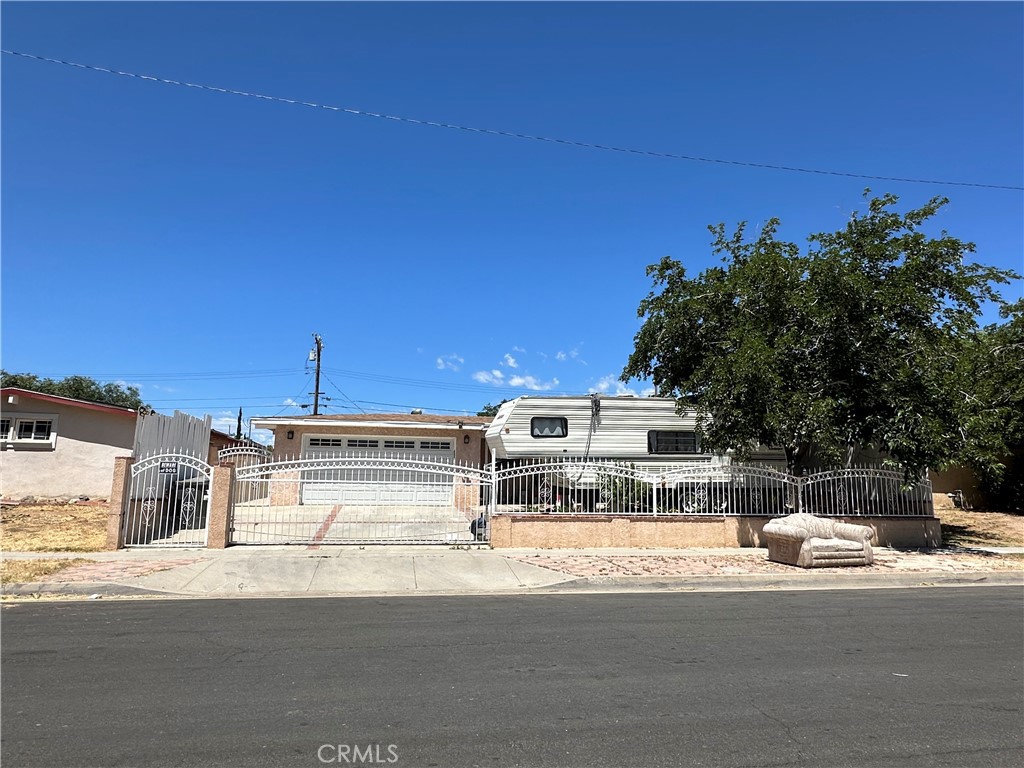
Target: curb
x=582, y=585
x=753, y=583
x=101, y=588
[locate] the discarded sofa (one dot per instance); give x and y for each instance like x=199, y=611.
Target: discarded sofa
x=816, y=542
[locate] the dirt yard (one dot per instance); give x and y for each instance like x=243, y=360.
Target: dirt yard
x=22, y=571
x=981, y=528
x=53, y=528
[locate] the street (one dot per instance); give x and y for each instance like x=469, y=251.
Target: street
x=894, y=677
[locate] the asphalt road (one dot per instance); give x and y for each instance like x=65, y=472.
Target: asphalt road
x=923, y=677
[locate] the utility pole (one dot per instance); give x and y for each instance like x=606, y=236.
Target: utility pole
x=318, y=353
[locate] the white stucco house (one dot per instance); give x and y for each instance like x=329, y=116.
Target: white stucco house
x=54, y=446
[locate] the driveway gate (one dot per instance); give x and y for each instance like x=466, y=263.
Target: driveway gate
x=360, y=499
x=168, y=501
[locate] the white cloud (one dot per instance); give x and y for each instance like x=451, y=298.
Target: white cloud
x=520, y=350
x=262, y=436
x=610, y=385
x=510, y=361
x=574, y=353
x=495, y=377
x=529, y=382
x=450, y=362
x=560, y=355
x=293, y=403
x=226, y=424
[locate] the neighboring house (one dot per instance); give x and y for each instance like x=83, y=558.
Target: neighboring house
x=645, y=431
x=52, y=446
x=413, y=436
x=58, y=446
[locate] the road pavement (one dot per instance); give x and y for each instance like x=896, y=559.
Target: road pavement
x=888, y=677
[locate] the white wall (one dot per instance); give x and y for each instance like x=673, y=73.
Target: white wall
x=81, y=461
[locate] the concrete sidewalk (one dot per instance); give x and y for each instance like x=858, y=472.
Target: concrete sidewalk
x=396, y=570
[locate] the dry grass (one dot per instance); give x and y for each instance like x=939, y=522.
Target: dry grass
x=53, y=528
x=981, y=528
x=22, y=571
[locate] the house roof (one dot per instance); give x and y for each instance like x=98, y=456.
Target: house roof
x=412, y=420
x=72, y=401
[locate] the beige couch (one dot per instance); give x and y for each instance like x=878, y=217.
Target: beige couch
x=817, y=542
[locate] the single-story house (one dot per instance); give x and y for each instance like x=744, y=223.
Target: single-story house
x=415, y=436
x=52, y=446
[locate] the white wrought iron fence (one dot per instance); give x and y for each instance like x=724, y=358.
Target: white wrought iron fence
x=360, y=498
x=578, y=486
x=392, y=498
x=865, y=491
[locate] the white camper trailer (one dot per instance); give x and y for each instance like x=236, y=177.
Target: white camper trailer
x=592, y=453
x=640, y=430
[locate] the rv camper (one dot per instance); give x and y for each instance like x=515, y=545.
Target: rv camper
x=641, y=430
x=596, y=453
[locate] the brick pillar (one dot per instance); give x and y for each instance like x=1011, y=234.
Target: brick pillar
x=118, y=496
x=222, y=486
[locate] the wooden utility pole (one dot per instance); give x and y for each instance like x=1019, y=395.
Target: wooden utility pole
x=318, y=351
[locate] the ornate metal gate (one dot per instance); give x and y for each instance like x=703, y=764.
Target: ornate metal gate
x=361, y=499
x=168, y=502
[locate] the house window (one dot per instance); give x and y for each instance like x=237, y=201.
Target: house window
x=435, y=445
x=34, y=429
x=356, y=443
x=399, y=445
x=671, y=442
x=549, y=426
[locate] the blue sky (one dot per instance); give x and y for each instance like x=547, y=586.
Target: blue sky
x=190, y=242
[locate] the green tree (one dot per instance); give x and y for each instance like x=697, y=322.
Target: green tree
x=79, y=387
x=989, y=389
x=853, y=343
x=491, y=410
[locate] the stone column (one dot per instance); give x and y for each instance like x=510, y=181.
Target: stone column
x=118, y=496
x=222, y=485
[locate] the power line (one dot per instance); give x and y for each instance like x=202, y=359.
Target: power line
x=511, y=134
x=343, y=393
x=178, y=376
x=433, y=384
x=462, y=411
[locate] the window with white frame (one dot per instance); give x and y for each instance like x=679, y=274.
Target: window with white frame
x=29, y=429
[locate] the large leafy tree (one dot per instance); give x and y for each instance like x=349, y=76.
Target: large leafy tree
x=851, y=343
x=491, y=410
x=80, y=387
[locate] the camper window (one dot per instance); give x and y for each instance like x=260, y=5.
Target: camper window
x=549, y=426
x=671, y=442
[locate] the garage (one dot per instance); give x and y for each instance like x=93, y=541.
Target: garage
x=377, y=470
